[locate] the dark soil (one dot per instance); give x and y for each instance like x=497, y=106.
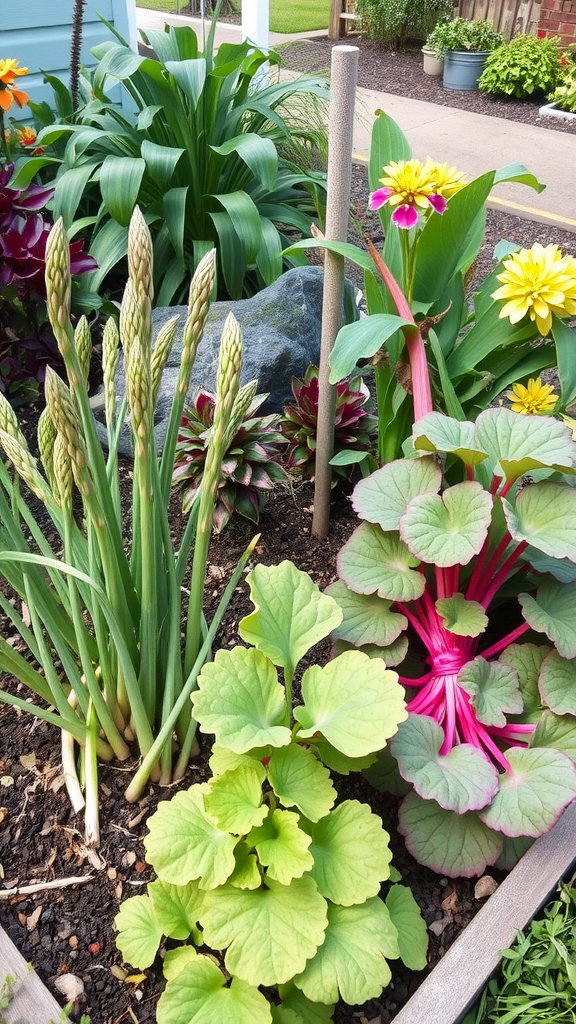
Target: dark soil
x=70, y=930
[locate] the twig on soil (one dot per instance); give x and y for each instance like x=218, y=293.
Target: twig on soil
x=57, y=883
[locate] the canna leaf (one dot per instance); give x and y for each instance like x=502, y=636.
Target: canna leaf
x=176, y=907
x=350, y=853
x=139, y=933
x=457, y=845
x=383, y=496
x=367, y=618
x=373, y=562
x=533, y=793
x=494, y=689
x=299, y=779
x=545, y=517
x=410, y=925
x=198, y=995
x=234, y=799
x=282, y=847
x=553, y=612
x=361, y=340
x=462, y=617
x=557, y=684
x=448, y=529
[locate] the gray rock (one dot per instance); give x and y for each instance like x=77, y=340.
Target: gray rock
x=281, y=328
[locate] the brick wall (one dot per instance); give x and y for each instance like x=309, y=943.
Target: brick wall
x=558, y=18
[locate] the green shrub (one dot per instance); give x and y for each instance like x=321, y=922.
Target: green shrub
x=522, y=67
x=462, y=34
x=565, y=94
x=392, y=22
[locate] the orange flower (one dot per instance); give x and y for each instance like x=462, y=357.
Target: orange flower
x=9, y=70
x=26, y=136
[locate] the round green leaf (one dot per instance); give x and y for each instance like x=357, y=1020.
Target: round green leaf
x=176, y=960
x=448, y=529
x=438, y=433
x=268, y=934
x=391, y=656
x=234, y=799
x=139, y=933
x=367, y=618
x=465, y=618
x=308, y=1011
x=300, y=780
x=494, y=689
x=240, y=700
x=382, y=497
x=352, y=960
x=282, y=846
x=526, y=660
x=553, y=612
x=533, y=793
x=557, y=731
x=184, y=843
x=176, y=907
x=354, y=702
x=410, y=925
x=351, y=854
x=223, y=760
x=457, y=845
x=246, y=874
x=291, y=614
x=198, y=995
x=373, y=562
x=557, y=684
x=337, y=761
x=523, y=443
x=462, y=780
x=545, y=517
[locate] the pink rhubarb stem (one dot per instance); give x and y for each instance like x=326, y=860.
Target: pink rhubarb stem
x=415, y=623
x=502, y=573
x=475, y=733
x=506, y=641
x=422, y=393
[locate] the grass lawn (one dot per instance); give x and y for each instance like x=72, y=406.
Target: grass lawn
x=285, y=15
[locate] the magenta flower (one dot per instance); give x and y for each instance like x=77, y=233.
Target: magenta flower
x=414, y=188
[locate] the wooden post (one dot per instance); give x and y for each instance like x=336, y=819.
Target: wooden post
x=344, y=70
x=336, y=24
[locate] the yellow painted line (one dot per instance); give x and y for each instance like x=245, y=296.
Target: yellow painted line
x=495, y=200
x=360, y=158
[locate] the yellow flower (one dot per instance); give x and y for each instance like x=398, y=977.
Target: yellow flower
x=9, y=70
x=538, y=282
x=410, y=181
x=26, y=136
x=536, y=397
x=448, y=180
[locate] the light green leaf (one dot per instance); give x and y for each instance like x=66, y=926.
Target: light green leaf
x=457, y=845
x=234, y=799
x=176, y=907
x=246, y=874
x=352, y=960
x=258, y=153
x=392, y=655
x=411, y=927
x=309, y=1012
x=533, y=793
x=383, y=496
x=268, y=934
x=545, y=517
x=282, y=846
x=375, y=562
x=337, y=761
x=361, y=340
x=557, y=731
x=523, y=443
x=462, y=617
x=526, y=660
x=367, y=618
x=351, y=854
x=494, y=689
x=438, y=433
x=190, y=76
x=553, y=612
x=384, y=774
x=120, y=180
x=557, y=684
x=299, y=779
x=283, y=1015
x=222, y=759
x=161, y=161
x=291, y=614
x=198, y=995
x=462, y=780
x=139, y=934
x=353, y=701
x=240, y=700
x=512, y=850
x=448, y=529
x=177, y=960
x=184, y=843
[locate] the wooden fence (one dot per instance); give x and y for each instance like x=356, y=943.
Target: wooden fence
x=511, y=17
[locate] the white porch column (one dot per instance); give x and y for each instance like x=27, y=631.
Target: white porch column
x=255, y=22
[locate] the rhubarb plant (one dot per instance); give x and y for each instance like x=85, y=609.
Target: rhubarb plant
x=473, y=570
x=258, y=863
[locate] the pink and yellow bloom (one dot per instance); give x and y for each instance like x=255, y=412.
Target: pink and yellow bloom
x=9, y=70
x=413, y=188
x=538, y=283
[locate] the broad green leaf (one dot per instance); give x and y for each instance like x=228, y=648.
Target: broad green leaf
x=284, y=1015
x=107, y=247
x=69, y=191
x=184, y=843
x=337, y=761
x=246, y=874
x=557, y=684
x=448, y=529
x=240, y=700
x=282, y=846
x=388, y=143
x=494, y=689
x=526, y=660
x=412, y=932
x=385, y=776
x=462, y=780
x=533, y=793
x=352, y=960
x=354, y=702
x=120, y=180
x=190, y=76
x=566, y=359
x=245, y=219
x=557, y=731
x=268, y=934
x=367, y=618
x=198, y=995
x=523, y=443
x=545, y=517
x=465, y=618
x=258, y=153
x=174, y=209
x=222, y=759
x=161, y=161
x=361, y=340
x=373, y=562
x=308, y=1011
x=562, y=569
x=234, y=799
x=392, y=655
x=519, y=173
x=383, y=496
x=300, y=780
x=176, y=907
x=553, y=612
x=139, y=933
x=291, y=614
x=351, y=854
x=438, y=433
x=346, y=249
x=457, y=845
x=177, y=960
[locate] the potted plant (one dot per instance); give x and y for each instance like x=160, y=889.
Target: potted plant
x=465, y=46
x=433, y=65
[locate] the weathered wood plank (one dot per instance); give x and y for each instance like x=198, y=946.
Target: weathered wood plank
x=32, y=1003
x=451, y=988
x=508, y=16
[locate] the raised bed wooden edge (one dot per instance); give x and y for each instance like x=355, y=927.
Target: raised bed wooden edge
x=32, y=1003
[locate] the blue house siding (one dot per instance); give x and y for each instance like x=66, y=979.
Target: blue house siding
x=37, y=33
